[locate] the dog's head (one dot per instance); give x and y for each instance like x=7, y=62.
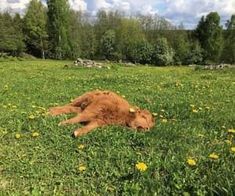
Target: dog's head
x=143, y=120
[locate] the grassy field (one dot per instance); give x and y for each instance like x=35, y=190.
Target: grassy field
x=190, y=151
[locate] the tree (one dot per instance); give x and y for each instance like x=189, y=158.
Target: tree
x=229, y=46
x=11, y=36
x=163, y=53
x=142, y=52
x=74, y=34
x=209, y=34
x=108, y=44
x=58, y=26
x=128, y=34
x=35, y=22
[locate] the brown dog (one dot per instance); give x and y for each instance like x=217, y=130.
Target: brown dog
x=99, y=108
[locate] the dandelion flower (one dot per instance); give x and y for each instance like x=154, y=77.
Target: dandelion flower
x=35, y=134
x=228, y=142
x=81, y=168
x=231, y=131
x=233, y=149
x=81, y=146
x=195, y=111
x=141, y=166
x=191, y=162
x=154, y=114
x=213, y=156
x=31, y=117
x=17, y=136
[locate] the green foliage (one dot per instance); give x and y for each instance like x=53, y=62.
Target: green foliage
x=142, y=52
x=209, y=34
x=228, y=55
x=181, y=46
x=163, y=53
x=47, y=163
x=58, y=28
x=35, y=21
x=108, y=43
x=195, y=55
x=11, y=36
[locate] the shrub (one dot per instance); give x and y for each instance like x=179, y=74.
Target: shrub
x=163, y=53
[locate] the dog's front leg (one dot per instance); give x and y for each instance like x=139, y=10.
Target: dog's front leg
x=84, y=130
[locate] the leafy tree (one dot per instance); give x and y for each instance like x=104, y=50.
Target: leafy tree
x=195, y=55
x=142, y=52
x=88, y=42
x=11, y=37
x=35, y=28
x=163, y=53
x=128, y=34
x=75, y=31
x=229, y=46
x=209, y=34
x=181, y=46
x=58, y=26
x=108, y=44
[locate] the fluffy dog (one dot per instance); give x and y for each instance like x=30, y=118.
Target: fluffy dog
x=99, y=108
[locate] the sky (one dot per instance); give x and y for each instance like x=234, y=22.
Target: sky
x=187, y=12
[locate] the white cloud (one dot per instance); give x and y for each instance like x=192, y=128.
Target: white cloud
x=79, y=5
x=17, y=5
x=186, y=11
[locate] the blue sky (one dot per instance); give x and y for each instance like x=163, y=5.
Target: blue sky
x=186, y=11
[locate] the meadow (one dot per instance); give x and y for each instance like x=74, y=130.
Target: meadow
x=190, y=151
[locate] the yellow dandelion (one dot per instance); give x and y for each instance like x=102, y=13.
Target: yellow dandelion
x=213, y=156
x=231, y=131
x=81, y=146
x=35, y=134
x=154, y=114
x=200, y=135
x=31, y=117
x=195, y=111
x=233, y=149
x=164, y=120
x=81, y=168
x=228, y=142
x=141, y=166
x=132, y=110
x=191, y=162
x=17, y=136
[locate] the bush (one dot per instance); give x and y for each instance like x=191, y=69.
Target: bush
x=163, y=53
x=141, y=52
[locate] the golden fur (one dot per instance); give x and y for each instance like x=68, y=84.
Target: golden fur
x=98, y=108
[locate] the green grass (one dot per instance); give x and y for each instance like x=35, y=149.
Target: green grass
x=48, y=164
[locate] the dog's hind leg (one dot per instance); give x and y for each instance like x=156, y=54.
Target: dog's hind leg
x=64, y=110
x=83, y=117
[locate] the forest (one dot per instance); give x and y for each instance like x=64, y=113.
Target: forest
x=56, y=31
